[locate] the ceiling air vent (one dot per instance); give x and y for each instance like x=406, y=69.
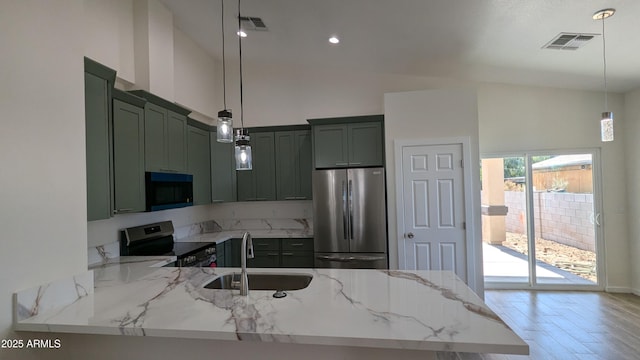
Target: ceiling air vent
x=249, y=23
x=569, y=41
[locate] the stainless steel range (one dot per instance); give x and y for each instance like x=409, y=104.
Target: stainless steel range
x=157, y=239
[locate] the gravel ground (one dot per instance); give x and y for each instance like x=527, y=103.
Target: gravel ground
x=568, y=258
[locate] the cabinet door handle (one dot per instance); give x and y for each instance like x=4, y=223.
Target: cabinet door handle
x=296, y=244
x=301, y=198
x=342, y=164
x=287, y=254
x=259, y=244
x=272, y=254
x=118, y=211
x=355, y=163
x=290, y=198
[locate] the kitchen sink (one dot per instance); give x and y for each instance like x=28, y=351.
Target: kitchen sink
x=262, y=281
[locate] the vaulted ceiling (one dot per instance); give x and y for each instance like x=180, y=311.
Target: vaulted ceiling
x=475, y=40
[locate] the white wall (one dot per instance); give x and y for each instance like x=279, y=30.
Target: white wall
x=194, y=76
x=632, y=164
x=42, y=148
x=519, y=118
x=108, y=32
x=430, y=115
x=286, y=94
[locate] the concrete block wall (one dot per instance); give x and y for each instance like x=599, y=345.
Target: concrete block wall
x=563, y=217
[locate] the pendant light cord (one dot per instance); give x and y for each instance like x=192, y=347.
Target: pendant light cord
x=240, y=49
x=604, y=61
x=224, y=69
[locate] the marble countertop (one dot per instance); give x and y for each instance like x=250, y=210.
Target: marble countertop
x=418, y=310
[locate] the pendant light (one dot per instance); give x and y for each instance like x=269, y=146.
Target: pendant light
x=243, y=147
x=606, y=123
x=225, y=118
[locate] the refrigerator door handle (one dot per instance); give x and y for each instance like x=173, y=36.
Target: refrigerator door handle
x=350, y=258
x=350, y=209
x=345, y=228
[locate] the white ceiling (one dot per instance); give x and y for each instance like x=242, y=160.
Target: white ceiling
x=477, y=40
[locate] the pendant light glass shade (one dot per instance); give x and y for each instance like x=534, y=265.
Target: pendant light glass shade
x=606, y=126
x=225, y=127
x=243, y=151
x=606, y=122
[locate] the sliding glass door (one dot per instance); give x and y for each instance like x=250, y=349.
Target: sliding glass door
x=541, y=220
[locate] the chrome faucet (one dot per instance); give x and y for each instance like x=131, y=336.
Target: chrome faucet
x=244, y=254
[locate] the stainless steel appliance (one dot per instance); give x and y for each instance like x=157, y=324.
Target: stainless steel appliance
x=157, y=239
x=349, y=218
x=168, y=190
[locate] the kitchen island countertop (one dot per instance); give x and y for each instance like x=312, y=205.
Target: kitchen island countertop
x=410, y=310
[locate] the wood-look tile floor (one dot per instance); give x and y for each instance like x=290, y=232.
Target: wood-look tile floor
x=568, y=324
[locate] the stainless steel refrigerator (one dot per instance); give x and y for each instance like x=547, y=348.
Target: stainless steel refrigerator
x=349, y=218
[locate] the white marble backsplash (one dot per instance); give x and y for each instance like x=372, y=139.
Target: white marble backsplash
x=302, y=225
x=56, y=294
x=299, y=226
x=103, y=253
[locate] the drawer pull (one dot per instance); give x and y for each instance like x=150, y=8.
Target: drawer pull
x=118, y=211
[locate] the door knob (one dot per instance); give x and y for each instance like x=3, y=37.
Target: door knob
x=410, y=235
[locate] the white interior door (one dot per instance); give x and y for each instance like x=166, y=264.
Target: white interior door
x=433, y=201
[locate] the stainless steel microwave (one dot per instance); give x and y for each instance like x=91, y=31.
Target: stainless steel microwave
x=168, y=190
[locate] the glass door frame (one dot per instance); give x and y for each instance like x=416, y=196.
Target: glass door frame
x=599, y=224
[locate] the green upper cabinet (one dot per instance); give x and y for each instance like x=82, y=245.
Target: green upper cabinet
x=199, y=164
x=260, y=182
x=223, y=171
x=128, y=153
x=293, y=164
x=155, y=144
x=98, y=85
x=330, y=146
x=177, y=142
x=348, y=142
x=365, y=144
x=165, y=138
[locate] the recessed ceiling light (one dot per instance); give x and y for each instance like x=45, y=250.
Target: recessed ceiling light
x=241, y=33
x=334, y=40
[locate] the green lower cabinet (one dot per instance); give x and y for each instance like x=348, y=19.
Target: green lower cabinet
x=220, y=255
x=297, y=253
x=268, y=253
x=297, y=259
x=231, y=251
x=264, y=259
